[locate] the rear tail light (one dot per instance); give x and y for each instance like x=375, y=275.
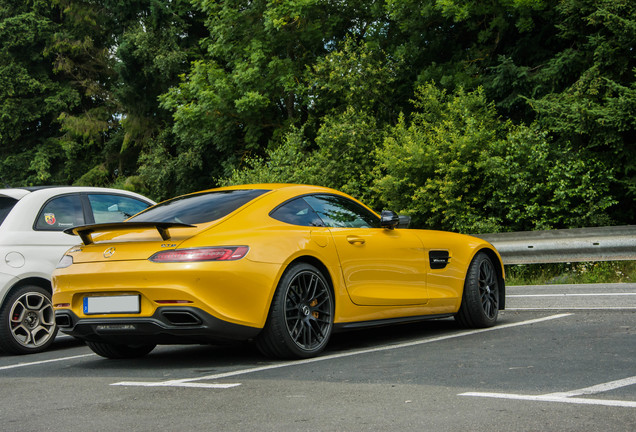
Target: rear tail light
x=225, y=253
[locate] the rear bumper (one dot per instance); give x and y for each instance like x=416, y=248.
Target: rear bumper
x=168, y=325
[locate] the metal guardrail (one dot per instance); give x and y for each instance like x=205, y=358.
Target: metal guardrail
x=566, y=245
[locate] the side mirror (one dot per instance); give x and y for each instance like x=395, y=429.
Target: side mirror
x=389, y=219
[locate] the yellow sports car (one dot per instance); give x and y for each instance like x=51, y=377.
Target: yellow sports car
x=282, y=265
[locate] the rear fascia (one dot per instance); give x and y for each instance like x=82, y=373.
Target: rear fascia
x=158, y=328
x=236, y=292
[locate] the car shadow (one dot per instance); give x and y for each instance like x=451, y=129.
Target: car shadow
x=205, y=358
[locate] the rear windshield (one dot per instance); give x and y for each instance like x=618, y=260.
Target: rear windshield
x=198, y=208
x=6, y=204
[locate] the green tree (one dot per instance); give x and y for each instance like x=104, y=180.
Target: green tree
x=456, y=165
x=120, y=56
x=343, y=159
x=594, y=108
x=259, y=79
x=31, y=95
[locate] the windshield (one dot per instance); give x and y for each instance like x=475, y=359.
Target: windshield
x=198, y=208
x=6, y=204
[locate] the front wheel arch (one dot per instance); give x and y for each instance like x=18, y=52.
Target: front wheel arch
x=500, y=275
x=479, y=306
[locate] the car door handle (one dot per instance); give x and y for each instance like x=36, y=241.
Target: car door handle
x=355, y=240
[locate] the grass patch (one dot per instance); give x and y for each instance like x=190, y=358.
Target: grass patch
x=571, y=273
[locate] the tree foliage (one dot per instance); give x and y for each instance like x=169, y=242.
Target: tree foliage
x=456, y=165
x=469, y=115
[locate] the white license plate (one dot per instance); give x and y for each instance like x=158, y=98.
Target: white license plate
x=112, y=304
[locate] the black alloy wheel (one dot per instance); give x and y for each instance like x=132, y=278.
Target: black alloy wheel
x=480, y=301
x=300, y=321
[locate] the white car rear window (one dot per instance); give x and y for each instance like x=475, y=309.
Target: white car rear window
x=6, y=204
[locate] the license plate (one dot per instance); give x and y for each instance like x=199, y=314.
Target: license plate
x=112, y=304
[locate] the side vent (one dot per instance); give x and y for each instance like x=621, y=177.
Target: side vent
x=438, y=259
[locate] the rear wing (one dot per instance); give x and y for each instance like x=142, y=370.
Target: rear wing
x=86, y=231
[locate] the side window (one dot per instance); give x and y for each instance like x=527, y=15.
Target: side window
x=340, y=212
x=114, y=208
x=60, y=213
x=297, y=212
x=6, y=204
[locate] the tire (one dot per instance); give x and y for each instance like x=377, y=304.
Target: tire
x=480, y=301
x=27, y=321
x=300, y=319
x=116, y=351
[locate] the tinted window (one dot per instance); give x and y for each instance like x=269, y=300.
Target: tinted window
x=340, y=212
x=6, y=204
x=297, y=212
x=114, y=208
x=61, y=213
x=198, y=208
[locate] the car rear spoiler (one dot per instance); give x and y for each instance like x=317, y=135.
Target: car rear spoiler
x=85, y=231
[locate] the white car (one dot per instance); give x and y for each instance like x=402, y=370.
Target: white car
x=32, y=242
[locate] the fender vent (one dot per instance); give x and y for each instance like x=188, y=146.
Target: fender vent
x=438, y=259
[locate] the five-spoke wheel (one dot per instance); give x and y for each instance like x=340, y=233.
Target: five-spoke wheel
x=27, y=321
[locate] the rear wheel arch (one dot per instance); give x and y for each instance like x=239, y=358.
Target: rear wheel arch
x=37, y=281
x=311, y=328
x=308, y=259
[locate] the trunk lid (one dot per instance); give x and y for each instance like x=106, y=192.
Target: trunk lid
x=128, y=241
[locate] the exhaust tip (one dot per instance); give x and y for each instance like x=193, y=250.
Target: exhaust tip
x=181, y=318
x=63, y=320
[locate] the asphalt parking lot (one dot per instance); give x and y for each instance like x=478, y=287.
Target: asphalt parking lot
x=563, y=358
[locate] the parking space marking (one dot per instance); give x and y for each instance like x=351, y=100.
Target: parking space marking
x=585, y=308
x=569, y=396
x=187, y=382
x=176, y=383
x=19, y=365
x=570, y=295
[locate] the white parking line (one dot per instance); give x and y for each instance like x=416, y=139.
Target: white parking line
x=568, y=397
x=560, y=308
x=19, y=365
x=570, y=295
x=187, y=382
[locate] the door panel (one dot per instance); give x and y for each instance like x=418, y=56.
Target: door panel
x=382, y=266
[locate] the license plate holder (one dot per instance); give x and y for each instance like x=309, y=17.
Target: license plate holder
x=119, y=304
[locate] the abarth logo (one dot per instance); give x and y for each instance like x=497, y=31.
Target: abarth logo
x=49, y=218
x=109, y=252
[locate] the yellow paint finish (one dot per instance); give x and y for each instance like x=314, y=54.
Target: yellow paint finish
x=376, y=273
x=235, y=291
x=381, y=266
